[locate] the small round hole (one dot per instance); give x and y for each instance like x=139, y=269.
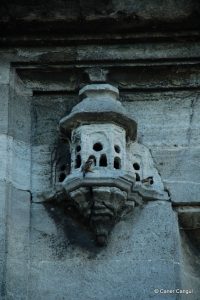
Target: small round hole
x=137, y=177
x=62, y=177
x=78, y=148
x=117, y=149
x=136, y=166
x=97, y=147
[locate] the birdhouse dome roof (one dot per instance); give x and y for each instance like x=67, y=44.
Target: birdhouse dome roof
x=99, y=105
x=99, y=98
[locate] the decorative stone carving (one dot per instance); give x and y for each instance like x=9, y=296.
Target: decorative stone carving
x=101, y=206
x=100, y=129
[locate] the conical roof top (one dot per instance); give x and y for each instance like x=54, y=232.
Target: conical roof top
x=99, y=105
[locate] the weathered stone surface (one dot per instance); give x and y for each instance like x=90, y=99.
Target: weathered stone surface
x=14, y=155
x=57, y=243
x=100, y=281
x=123, y=270
x=183, y=192
x=5, y=72
x=19, y=223
x=4, y=141
x=4, y=196
x=179, y=168
x=148, y=51
x=20, y=165
x=48, y=155
x=49, y=255
x=131, y=52
x=16, y=279
x=61, y=17
x=4, y=91
x=18, y=253
x=189, y=220
x=143, y=77
x=20, y=119
x=158, y=127
x=4, y=154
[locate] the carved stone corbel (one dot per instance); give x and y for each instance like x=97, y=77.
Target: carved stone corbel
x=103, y=141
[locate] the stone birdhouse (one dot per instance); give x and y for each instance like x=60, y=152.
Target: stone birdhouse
x=109, y=167
x=99, y=128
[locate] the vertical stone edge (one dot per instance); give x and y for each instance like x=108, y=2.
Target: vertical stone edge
x=4, y=112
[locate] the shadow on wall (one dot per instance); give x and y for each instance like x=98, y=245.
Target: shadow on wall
x=60, y=161
x=67, y=221
x=190, y=250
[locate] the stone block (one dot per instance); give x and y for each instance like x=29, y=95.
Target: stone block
x=141, y=256
x=20, y=164
x=116, y=15
x=4, y=92
x=4, y=71
x=16, y=279
x=124, y=279
x=183, y=192
x=179, y=169
x=15, y=162
x=20, y=115
x=18, y=223
x=4, y=153
x=158, y=127
x=41, y=168
x=138, y=51
x=3, y=234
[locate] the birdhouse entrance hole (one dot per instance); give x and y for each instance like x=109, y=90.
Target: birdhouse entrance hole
x=97, y=147
x=78, y=162
x=117, y=163
x=103, y=161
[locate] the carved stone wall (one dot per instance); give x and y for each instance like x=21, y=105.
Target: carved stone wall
x=46, y=250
